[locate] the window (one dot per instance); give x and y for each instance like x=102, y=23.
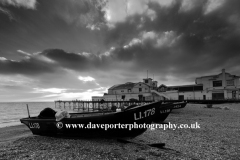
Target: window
x=139, y=84
x=140, y=89
x=198, y=88
x=217, y=83
x=217, y=96
x=129, y=90
x=181, y=97
x=230, y=82
x=172, y=88
x=146, y=81
x=190, y=88
x=182, y=89
x=122, y=90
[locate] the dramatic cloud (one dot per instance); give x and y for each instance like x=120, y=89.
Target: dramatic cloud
x=117, y=11
x=29, y=4
x=213, y=5
x=84, y=12
x=67, y=48
x=25, y=66
x=191, y=30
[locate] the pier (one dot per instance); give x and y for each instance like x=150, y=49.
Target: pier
x=92, y=106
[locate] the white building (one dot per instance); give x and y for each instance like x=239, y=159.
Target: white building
x=130, y=91
x=220, y=86
x=223, y=85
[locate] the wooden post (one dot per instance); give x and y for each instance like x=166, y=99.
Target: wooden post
x=28, y=111
x=88, y=106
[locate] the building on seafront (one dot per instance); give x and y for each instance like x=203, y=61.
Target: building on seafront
x=130, y=91
x=219, y=86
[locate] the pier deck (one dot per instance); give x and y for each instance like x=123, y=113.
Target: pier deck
x=92, y=106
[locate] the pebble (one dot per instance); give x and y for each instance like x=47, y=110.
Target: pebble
x=218, y=138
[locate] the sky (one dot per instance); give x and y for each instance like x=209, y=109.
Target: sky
x=74, y=49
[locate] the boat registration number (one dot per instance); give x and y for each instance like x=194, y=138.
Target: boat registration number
x=34, y=125
x=165, y=111
x=144, y=114
x=177, y=106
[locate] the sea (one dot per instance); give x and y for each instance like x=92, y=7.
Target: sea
x=12, y=112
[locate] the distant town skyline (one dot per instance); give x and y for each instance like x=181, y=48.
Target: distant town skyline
x=67, y=49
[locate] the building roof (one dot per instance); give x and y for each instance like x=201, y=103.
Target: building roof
x=162, y=85
x=127, y=85
x=218, y=75
x=190, y=85
x=114, y=86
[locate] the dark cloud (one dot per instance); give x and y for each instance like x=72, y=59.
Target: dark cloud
x=177, y=45
x=79, y=13
x=25, y=67
x=208, y=42
x=53, y=24
x=70, y=60
x=123, y=32
x=52, y=60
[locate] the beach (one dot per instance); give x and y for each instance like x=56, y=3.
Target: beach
x=218, y=137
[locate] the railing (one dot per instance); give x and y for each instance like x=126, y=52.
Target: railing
x=204, y=101
x=92, y=106
x=105, y=106
x=201, y=98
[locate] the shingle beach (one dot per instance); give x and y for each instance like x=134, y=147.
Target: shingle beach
x=217, y=138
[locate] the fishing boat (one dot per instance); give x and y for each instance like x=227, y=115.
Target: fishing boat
x=179, y=105
x=163, y=111
x=130, y=122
